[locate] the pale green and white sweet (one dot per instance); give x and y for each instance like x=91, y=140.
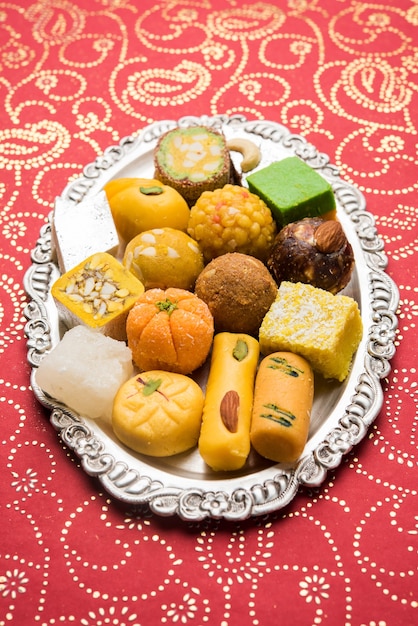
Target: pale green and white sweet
x=85, y=370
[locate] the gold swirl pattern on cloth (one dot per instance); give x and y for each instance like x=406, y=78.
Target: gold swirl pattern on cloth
x=75, y=77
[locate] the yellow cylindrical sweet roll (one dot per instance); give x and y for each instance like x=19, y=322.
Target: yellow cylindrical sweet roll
x=224, y=441
x=283, y=397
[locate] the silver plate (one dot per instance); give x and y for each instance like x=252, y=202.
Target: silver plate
x=342, y=413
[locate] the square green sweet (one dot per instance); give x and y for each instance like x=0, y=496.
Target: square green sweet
x=292, y=190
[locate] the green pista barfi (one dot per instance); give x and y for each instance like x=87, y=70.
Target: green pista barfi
x=292, y=190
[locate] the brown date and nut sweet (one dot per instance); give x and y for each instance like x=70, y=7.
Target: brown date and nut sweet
x=313, y=251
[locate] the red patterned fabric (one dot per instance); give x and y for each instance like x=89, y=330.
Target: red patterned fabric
x=75, y=77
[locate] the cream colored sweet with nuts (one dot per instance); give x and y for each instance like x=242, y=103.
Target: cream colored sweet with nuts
x=99, y=293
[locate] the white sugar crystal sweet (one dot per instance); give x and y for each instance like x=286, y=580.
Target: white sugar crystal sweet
x=80, y=230
x=84, y=371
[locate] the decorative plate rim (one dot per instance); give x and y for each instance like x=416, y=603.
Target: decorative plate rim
x=262, y=492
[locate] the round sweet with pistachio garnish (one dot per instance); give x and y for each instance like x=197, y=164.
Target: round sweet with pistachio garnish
x=313, y=251
x=158, y=413
x=169, y=329
x=139, y=204
x=232, y=219
x=164, y=257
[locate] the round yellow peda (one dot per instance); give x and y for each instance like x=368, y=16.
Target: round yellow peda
x=158, y=413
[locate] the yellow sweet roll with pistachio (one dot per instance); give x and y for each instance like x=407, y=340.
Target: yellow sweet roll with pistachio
x=224, y=441
x=283, y=398
x=158, y=413
x=98, y=292
x=325, y=329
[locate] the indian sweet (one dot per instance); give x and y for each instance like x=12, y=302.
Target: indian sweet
x=325, y=329
x=238, y=290
x=292, y=190
x=283, y=399
x=224, y=441
x=139, y=204
x=170, y=329
x=192, y=160
x=164, y=257
x=98, y=292
x=84, y=371
x=232, y=219
x=80, y=230
x=314, y=251
x=158, y=413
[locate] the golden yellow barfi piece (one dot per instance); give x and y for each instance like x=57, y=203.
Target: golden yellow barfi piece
x=325, y=329
x=224, y=441
x=98, y=292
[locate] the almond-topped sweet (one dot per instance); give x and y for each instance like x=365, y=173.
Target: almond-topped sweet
x=313, y=251
x=224, y=440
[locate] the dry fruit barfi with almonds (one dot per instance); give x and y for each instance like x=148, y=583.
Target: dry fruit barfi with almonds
x=293, y=190
x=325, y=329
x=192, y=160
x=158, y=413
x=283, y=398
x=98, y=292
x=224, y=441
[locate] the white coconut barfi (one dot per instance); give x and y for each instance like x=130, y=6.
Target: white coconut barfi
x=82, y=230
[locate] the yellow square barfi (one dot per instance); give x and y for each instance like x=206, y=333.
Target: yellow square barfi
x=325, y=329
x=98, y=292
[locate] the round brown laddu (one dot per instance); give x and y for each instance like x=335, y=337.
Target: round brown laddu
x=299, y=255
x=238, y=290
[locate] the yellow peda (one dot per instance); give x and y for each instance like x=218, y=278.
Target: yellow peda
x=158, y=413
